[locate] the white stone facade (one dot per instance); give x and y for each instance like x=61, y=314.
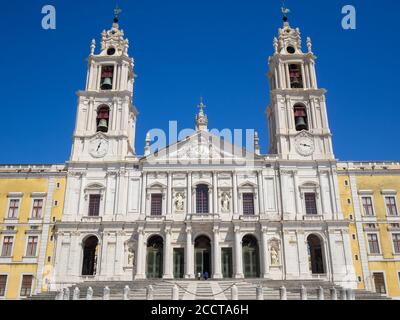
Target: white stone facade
x=275, y=187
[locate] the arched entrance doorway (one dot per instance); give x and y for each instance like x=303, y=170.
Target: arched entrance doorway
x=315, y=255
x=202, y=251
x=90, y=252
x=251, y=260
x=155, y=257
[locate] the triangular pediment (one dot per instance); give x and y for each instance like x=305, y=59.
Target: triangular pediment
x=202, y=148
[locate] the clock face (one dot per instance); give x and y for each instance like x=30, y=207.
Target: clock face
x=305, y=145
x=98, y=147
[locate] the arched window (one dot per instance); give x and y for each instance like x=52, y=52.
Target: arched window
x=103, y=116
x=296, y=79
x=300, y=117
x=315, y=254
x=90, y=248
x=107, y=76
x=155, y=257
x=202, y=199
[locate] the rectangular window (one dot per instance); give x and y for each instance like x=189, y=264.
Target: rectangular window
x=311, y=203
x=379, y=280
x=373, y=243
x=94, y=205
x=391, y=206
x=396, y=242
x=37, y=208
x=3, y=284
x=26, y=286
x=107, y=76
x=156, y=204
x=296, y=79
x=367, y=206
x=31, y=246
x=13, y=209
x=7, y=246
x=248, y=203
x=202, y=199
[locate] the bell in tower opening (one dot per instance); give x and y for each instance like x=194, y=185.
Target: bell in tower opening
x=107, y=74
x=103, y=115
x=296, y=80
x=301, y=119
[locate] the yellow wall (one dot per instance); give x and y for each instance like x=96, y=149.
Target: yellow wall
x=377, y=183
x=26, y=185
x=347, y=208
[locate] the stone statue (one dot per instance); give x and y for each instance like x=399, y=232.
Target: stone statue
x=179, y=202
x=274, y=256
x=225, y=202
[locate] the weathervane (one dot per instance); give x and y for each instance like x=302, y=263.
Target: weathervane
x=285, y=10
x=117, y=12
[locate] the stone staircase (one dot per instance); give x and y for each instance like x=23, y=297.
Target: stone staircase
x=208, y=290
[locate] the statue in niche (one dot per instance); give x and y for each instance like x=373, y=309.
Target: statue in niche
x=225, y=202
x=274, y=252
x=179, y=202
x=131, y=254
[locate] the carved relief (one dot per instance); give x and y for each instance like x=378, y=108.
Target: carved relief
x=226, y=202
x=179, y=201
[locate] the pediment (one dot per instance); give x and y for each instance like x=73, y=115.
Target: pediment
x=202, y=148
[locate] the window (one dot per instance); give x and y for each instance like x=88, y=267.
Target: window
x=156, y=204
x=354, y=237
x=391, y=206
x=296, y=79
x=26, y=286
x=373, y=243
x=107, y=76
x=37, y=208
x=31, y=246
x=7, y=246
x=379, y=280
x=202, y=199
x=356, y=257
x=248, y=203
x=94, y=205
x=13, y=208
x=311, y=203
x=103, y=116
x=396, y=242
x=359, y=279
x=348, y=201
x=367, y=206
x=346, y=183
x=3, y=284
x=300, y=118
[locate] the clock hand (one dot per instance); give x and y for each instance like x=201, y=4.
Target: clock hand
x=98, y=147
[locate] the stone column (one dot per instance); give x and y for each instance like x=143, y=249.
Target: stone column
x=169, y=195
x=303, y=254
x=322, y=191
x=141, y=256
x=265, y=252
x=143, y=199
x=297, y=194
x=217, y=274
x=238, y=254
x=168, y=256
x=235, y=193
x=189, y=255
x=260, y=193
x=189, y=193
x=215, y=193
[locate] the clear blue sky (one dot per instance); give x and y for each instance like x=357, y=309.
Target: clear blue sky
x=184, y=49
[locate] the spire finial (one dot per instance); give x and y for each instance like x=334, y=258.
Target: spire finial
x=201, y=118
x=285, y=10
x=117, y=12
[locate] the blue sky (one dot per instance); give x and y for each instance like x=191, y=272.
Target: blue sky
x=185, y=49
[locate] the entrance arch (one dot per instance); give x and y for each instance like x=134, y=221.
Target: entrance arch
x=90, y=253
x=202, y=251
x=155, y=257
x=251, y=257
x=315, y=254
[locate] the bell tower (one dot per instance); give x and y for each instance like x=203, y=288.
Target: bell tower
x=297, y=116
x=106, y=117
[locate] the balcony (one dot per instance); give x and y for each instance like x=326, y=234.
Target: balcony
x=92, y=219
x=203, y=217
x=313, y=217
